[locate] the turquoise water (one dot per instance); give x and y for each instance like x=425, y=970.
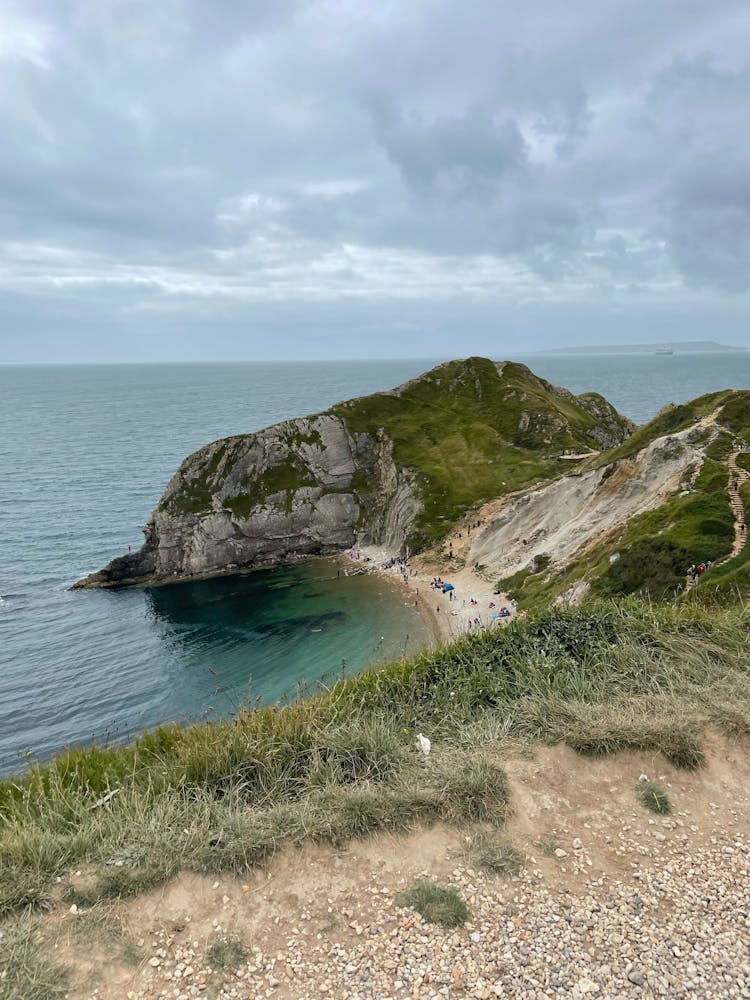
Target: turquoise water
x=85, y=452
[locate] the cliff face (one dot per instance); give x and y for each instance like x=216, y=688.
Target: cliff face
x=393, y=469
x=304, y=487
x=563, y=519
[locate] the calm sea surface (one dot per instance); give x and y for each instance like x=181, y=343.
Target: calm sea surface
x=85, y=453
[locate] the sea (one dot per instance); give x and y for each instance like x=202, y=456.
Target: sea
x=85, y=452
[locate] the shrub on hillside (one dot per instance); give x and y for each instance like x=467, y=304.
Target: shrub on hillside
x=651, y=565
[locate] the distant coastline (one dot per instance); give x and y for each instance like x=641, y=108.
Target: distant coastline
x=679, y=347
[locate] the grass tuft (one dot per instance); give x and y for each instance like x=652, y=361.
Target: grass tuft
x=494, y=854
x=653, y=797
x=435, y=904
x=226, y=953
x=548, y=845
x=472, y=789
x=123, y=882
x=23, y=889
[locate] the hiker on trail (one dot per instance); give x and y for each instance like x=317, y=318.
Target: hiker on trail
x=700, y=568
x=735, y=485
x=742, y=527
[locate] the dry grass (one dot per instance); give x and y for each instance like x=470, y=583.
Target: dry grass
x=24, y=973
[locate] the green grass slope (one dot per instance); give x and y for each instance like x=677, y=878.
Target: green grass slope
x=469, y=430
x=473, y=430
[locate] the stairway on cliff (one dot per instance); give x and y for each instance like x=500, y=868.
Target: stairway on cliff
x=737, y=476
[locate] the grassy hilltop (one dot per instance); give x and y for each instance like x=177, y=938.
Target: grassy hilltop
x=395, y=469
x=475, y=429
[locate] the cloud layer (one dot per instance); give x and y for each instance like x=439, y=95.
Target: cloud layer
x=191, y=179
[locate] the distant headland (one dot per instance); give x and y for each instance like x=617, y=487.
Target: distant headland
x=676, y=346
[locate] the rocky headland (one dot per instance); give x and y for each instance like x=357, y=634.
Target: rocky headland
x=396, y=470
x=481, y=467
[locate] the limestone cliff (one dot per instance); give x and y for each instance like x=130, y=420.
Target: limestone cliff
x=295, y=489
x=394, y=469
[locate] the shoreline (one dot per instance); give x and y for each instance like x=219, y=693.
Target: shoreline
x=474, y=598
x=472, y=605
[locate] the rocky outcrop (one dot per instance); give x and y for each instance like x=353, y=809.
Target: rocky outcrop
x=306, y=487
x=394, y=469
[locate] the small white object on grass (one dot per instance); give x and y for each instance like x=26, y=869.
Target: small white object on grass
x=424, y=744
x=643, y=777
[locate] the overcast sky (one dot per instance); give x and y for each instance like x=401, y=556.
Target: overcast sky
x=219, y=179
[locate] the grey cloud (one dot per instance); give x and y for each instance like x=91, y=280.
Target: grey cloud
x=708, y=225
x=179, y=160
x=459, y=157
x=567, y=118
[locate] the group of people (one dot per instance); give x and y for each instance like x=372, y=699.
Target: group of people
x=695, y=571
x=469, y=526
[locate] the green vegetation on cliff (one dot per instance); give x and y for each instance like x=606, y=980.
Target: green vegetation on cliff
x=467, y=431
x=473, y=430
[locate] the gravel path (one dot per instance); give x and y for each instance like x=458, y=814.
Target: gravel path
x=677, y=926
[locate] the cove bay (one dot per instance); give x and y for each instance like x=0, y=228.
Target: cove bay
x=85, y=454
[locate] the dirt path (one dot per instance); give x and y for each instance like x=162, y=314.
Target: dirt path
x=612, y=901
x=737, y=475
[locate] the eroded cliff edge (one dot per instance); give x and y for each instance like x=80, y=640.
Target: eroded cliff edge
x=393, y=469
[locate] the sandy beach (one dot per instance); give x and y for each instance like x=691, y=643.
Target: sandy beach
x=471, y=605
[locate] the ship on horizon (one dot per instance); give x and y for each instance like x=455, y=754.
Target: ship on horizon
x=664, y=350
